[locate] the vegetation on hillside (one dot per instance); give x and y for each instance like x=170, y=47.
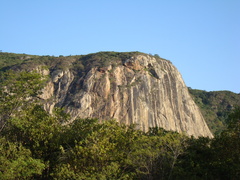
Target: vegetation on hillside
x=77, y=63
x=10, y=59
x=35, y=145
x=215, y=107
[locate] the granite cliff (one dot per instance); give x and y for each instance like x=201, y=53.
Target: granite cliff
x=139, y=88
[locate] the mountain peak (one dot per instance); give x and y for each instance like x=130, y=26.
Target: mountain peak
x=133, y=88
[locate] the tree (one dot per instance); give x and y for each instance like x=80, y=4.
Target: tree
x=154, y=154
x=143, y=156
x=23, y=119
x=16, y=162
x=99, y=151
x=18, y=90
x=196, y=161
x=226, y=149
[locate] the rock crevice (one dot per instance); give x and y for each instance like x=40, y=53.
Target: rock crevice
x=143, y=90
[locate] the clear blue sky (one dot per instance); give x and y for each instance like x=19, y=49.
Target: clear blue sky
x=200, y=37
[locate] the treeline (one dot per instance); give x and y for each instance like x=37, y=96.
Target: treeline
x=36, y=145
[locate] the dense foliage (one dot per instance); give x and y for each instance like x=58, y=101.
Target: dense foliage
x=215, y=107
x=35, y=145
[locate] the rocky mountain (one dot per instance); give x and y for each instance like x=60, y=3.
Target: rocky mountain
x=129, y=87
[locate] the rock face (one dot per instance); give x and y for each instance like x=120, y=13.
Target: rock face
x=143, y=90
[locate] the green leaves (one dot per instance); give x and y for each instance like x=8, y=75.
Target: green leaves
x=226, y=148
x=18, y=90
x=16, y=162
x=97, y=153
x=217, y=158
x=109, y=150
x=215, y=107
x=27, y=130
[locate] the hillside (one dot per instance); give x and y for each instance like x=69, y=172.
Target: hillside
x=131, y=87
x=38, y=144
x=215, y=106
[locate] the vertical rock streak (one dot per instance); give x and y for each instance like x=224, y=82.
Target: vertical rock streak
x=144, y=90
